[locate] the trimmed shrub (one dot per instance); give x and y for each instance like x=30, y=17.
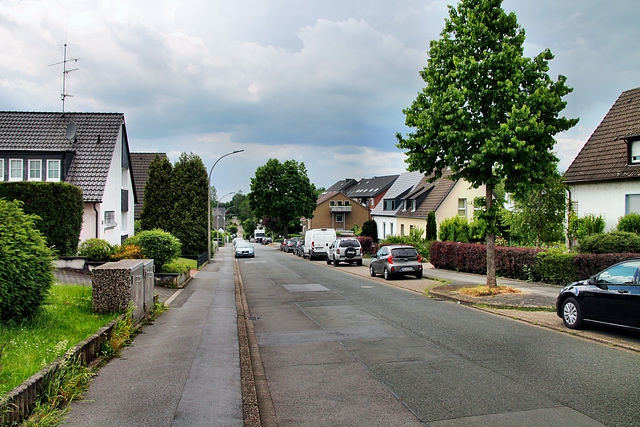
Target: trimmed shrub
x=96, y=249
x=158, y=245
x=432, y=226
x=127, y=252
x=586, y=265
x=630, y=223
x=610, y=243
x=370, y=229
x=454, y=229
x=367, y=244
x=25, y=263
x=59, y=208
x=557, y=268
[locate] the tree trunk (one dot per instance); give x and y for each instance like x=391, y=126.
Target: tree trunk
x=491, y=240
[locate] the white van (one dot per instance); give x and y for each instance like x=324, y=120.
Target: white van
x=317, y=241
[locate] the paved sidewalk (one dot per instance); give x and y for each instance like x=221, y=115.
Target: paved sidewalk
x=183, y=370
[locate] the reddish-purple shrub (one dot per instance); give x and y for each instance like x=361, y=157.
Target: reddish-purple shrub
x=589, y=264
x=367, y=244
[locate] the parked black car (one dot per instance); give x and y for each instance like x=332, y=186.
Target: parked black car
x=299, y=248
x=611, y=297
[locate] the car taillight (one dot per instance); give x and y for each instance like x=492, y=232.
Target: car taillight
x=419, y=258
x=390, y=259
x=338, y=250
x=313, y=244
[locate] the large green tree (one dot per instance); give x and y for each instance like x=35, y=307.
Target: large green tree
x=189, y=182
x=488, y=112
x=282, y=191
x=158, y=197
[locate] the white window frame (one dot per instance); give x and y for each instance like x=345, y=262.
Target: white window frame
x=37, y=176
x=110, y=219
x=1, y=169
x=462, y=210
x=11, y=169
x=339, y=218
x=635, y=151
x=49, y=170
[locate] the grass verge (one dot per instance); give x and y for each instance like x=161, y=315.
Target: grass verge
x=486, y=291
x=65, y=320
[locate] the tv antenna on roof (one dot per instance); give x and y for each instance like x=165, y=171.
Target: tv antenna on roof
x=65, y=71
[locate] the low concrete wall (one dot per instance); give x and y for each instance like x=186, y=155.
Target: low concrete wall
x=16, y=405
x=171, y=279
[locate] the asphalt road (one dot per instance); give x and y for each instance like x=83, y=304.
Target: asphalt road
x=339, y=349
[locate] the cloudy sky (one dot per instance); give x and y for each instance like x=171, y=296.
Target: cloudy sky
x=322, y=82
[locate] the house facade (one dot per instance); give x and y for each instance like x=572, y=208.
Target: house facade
x=385, y=212
x=446, y=197
x=89, y=150
x=336, y=210
x=604, y=178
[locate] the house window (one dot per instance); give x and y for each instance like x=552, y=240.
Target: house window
x=110, y=219
x=462, y=207
x=15, y=170
x=53, y=170
x=413, y=204
x=635, y=151
x=402, y=229
x=339, y=218
x=1, y=169
x=632, y=203
x=332, y=203
x=35, y=170
x=389, y=205
x=339, y=202
x=391, y=229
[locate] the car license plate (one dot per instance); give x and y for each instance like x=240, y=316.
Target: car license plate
x=406, y=269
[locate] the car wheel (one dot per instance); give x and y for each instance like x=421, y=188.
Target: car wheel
x=387, y=275
x=419, y=275
x=359, y=263
x=328, y=261
x=371, y=272
x=572, y=314
x=335, y=262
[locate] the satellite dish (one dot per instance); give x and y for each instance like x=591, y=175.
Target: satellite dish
x=70, y=134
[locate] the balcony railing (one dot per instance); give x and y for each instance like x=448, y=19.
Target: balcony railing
x=340, y=208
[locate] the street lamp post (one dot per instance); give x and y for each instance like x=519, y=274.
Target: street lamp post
x=218, y=215
x=209, y=203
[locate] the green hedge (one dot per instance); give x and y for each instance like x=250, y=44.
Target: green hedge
x=25, y=263
x=523, y=263
x=59, y=207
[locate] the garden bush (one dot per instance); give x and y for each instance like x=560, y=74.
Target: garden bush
x=610, y=243
x=158, y=245
x=96, y=249
x=370, y=229
x=127, y=252
x=454, y=229
x=557, y=268
x=630, y=223
x=367, y=244
x=25, y=263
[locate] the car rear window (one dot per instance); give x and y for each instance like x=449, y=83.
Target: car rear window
x=404, y=253
x=350, y=243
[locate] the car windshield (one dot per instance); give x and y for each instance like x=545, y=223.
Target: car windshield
x=243, y=244
x=404, y=253
x=349, y=243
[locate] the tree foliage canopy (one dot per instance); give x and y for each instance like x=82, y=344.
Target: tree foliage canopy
x=189, y=187
x=282, y=191
x=158, y=198
x=488, y=112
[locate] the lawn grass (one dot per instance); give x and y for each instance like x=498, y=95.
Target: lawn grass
x=180, y=265
x=65, y=320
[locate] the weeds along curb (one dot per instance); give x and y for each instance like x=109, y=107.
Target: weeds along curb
x=17, y=404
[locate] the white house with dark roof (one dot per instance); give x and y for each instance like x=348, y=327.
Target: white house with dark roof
x=385, y=212
x=89, y=150
x=604, y=178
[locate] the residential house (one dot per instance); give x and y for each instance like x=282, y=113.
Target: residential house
x=604, y=178
x=385, y=213
x=369, y=191
x=140, y=167
x=89, y=150
x=348, y=202
x=336, y=210
x=446, y=197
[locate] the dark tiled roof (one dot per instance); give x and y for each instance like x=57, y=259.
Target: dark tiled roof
x=93, y=148
x=341, y=185
x=140, y=167
x=604, y=156
x=436, y=192
x=371, y=187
